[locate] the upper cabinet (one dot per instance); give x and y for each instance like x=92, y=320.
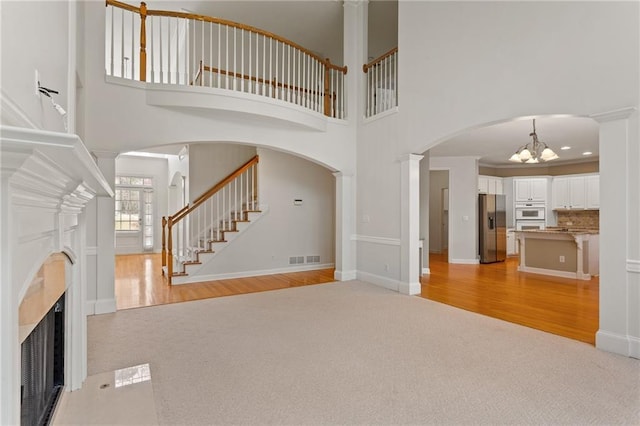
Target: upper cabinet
x=530, y=189
x=490, y=185
x=576, y=192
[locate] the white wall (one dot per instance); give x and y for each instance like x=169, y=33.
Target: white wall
x=378, y=201
x=482, y=62
x=210, y=163
x=285, y=230
x=463, y=206
x=35, y=36
x=156, y=168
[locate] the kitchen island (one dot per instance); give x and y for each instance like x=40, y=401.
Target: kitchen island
x=561, y=252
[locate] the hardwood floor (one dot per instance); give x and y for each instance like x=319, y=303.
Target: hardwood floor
x=561, y=306
x=139, y=282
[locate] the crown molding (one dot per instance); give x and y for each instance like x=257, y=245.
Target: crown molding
x=616, y=114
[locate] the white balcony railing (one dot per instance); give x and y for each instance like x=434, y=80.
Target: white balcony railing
x=382, y=83
x=189, y=49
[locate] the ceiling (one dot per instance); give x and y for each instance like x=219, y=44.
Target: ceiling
x=493, y=145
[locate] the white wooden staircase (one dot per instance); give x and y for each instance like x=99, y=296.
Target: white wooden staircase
x=193, y=236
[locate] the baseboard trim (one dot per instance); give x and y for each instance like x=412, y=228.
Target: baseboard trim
x=465, y=261
x=618, y=343
x=426, y=271
x=554, y=273
x=410, y=289
x=101, y=306
x=345, y=275
x=378, y=280
x=216, y=277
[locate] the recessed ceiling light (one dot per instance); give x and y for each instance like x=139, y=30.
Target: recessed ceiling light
x=564, y=148
x=587, y=153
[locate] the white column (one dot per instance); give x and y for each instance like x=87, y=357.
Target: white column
x=105, y=300
x=75, y=300
x=410, y=224
x=9, y=340
x=345, y=227
x=619, y=233
x=424, y=212
x=355, y=55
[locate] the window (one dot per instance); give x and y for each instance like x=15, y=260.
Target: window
x=134, y=207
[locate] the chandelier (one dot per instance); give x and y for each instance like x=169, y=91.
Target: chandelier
x=533, y=152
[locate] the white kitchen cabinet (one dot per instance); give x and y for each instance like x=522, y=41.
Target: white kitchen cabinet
x=576, y=192
x=560, y=193
x=531, y=190
x=490, y=185
x=593, y=192
x=577, y=199
x=483, y=185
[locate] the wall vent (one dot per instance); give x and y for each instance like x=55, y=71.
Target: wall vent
x=313, y=259
x=296, y=260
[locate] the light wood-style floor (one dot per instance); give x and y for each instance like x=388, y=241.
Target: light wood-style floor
x=139, y=283
x=561, y=306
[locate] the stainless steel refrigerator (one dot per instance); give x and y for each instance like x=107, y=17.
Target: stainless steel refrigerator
x=493, y=228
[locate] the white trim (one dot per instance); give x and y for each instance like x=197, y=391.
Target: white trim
x=376, y=240
x=104, y=306
x=616, y=114
x=426, y=271
x=554, y=273
x=13, y=114
x=215, y=277
x=618, y=343
x=388, y=283
x=633, y=266
x=410, y=157
x=91, y=251
x=410, y=289
x=345, y=275
x=634, y=347
x=465, y=261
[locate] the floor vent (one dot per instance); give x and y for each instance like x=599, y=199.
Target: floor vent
x=296, y=260
x=313, y=259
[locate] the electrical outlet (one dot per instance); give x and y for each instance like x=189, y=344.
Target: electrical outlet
x=561, y=259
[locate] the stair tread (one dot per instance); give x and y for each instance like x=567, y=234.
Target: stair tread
x=192, y=262
x=217, y=241
x=179, y=274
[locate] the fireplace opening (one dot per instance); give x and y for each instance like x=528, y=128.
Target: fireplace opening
x=43, y=367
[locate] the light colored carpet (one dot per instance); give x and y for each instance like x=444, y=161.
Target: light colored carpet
x=354, y=353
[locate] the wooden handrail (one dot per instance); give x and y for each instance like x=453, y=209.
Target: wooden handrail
x=217, y=187
x=373, y=63
x=221, y=21
x=121, y=5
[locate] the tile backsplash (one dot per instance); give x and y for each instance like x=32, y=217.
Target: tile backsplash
x=579, y=219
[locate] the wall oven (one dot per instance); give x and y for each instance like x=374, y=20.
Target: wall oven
x=527, y=211
x=527, y=225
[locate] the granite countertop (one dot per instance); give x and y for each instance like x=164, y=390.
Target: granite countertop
x=560, y=230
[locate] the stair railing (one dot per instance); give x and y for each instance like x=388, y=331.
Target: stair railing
x=382, y=83
x=185, y=49
x=195, y=227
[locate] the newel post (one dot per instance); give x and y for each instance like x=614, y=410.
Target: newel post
x=143, y=41
x=170, y=248
x=164, y=244
x=327, y=95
